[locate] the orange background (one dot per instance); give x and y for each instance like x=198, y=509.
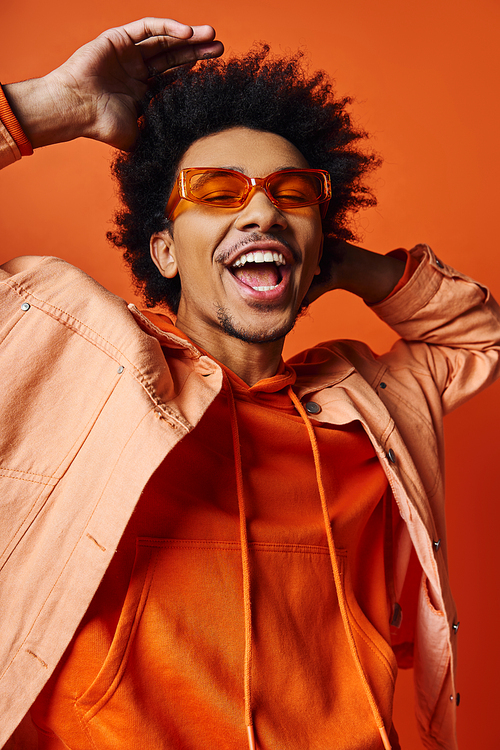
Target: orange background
x=425, y=77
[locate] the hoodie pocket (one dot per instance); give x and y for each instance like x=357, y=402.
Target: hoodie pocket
x=112, y=671
x=369, y=642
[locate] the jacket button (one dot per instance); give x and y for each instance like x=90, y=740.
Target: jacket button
x=391, y=456
x=455, y=627
x=312, y=407
x=436, y=544
x=383, y=385
x=439, y=264
x=120, y=369
x=25, y=306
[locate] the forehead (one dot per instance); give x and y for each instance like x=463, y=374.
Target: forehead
x=253, y=152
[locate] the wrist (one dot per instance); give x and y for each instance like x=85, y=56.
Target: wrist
x=46, y=112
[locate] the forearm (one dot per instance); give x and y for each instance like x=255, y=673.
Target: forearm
x=366, y=274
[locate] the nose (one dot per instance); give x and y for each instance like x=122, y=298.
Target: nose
x=259, y=213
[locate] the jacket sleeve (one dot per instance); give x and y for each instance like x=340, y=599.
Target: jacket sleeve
x=9, y=152
x=449, y=327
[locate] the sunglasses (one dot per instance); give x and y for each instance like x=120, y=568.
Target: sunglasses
x=227, y=188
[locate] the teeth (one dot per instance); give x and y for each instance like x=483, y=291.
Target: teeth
x=264, y=288
x=259, y=257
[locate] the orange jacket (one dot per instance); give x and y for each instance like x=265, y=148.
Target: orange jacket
x=91, y=407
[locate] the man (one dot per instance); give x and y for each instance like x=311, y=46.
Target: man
x=213, y=543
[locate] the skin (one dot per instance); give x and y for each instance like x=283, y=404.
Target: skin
x=96, y=94
x=205, y=239
x=246, y=330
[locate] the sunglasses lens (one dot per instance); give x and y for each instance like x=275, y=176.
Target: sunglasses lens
x=218, y=188
x=294, y=189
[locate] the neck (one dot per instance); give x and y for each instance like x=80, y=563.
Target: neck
x=249, y=360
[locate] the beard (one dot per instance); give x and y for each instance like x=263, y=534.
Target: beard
x=266, y=335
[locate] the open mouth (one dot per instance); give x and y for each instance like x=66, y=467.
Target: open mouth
x=260, y=270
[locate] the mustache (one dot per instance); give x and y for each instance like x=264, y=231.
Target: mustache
x=254, y=238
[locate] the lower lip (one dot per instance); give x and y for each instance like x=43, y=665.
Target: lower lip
x=271, y=295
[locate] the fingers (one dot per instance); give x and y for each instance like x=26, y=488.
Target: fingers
x=183, y=55
x=147, y=28
x=165, y=43
x=201, y=35
x=163, y=52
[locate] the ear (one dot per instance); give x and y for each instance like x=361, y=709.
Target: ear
x=320, y=255
x=162, y=249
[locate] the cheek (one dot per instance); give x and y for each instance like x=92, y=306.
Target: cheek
x=196, y=236
x=200, y=230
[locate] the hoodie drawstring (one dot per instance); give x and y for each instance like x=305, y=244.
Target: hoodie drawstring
x=245, y=564
x=336, y=573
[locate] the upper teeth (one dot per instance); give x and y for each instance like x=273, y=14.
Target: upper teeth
x=259, y=257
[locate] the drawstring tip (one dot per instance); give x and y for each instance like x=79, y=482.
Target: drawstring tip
x=385, y=738
x=251, y=738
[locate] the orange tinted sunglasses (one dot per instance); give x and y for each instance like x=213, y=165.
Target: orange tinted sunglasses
x=228, y=188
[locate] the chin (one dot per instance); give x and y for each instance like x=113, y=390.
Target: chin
x=265, y=335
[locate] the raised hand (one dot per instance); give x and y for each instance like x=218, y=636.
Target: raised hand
x=95, y=93
x=366, y=274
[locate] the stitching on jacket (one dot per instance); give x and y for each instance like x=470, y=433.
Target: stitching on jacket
x=47, y=308
x=24, y=291
x=38, y=658
x=96, y=542
x=25, y=476
x=421, y=420
x=6, y=552
x=184, y=345
x=117, y=355
x=70, y=555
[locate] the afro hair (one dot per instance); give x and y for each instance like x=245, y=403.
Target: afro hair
x=255, y=91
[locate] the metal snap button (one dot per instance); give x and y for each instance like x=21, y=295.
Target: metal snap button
x=391, y=456
x=25, y=306
x=312, y=407
x=436, y=544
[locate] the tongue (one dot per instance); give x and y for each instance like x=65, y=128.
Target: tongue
x=261, y=274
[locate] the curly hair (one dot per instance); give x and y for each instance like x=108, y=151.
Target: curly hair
x=256, y=91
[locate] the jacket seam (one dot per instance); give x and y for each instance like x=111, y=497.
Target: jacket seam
x=75, y=546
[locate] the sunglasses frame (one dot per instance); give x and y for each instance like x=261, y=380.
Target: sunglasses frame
x=183, y=191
